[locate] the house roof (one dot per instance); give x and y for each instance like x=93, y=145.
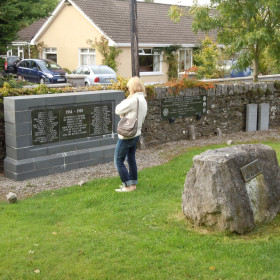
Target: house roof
x=154, y=25
x=112, y=18
x=26, y=34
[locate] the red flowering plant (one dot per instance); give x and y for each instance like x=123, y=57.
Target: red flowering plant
x=185, y=82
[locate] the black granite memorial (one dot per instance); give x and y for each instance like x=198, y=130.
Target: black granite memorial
x=71, y=122
x=54, y=133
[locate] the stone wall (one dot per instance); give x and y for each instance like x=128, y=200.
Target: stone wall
x=226, y=110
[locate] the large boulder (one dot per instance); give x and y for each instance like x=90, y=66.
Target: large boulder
x=217, y=194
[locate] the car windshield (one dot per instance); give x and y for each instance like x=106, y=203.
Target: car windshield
x=51, y=65
x=104, y=70
x=12, y=59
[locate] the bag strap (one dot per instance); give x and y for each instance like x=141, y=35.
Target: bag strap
x=137, y=108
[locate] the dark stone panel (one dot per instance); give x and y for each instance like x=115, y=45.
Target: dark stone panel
x=18, y=130
x=19, y=166
x=77, y=156
x=19, y=141
x=48, y=161
x=61, y=148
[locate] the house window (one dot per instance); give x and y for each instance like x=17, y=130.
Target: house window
x=149, y=61
x=87, y=56
x=50, y=53
x=185, y=59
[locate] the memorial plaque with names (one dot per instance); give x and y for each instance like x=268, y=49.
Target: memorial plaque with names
x=101, y=119
x=183, y=106
x=71, y=122
x=45, y=126
x=251, y=170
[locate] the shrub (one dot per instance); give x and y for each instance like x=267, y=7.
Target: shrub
x=67, y=70
x=184, y=82
x=12, y=81
x=207, y=58
x=2, y=63
x=120, y=84
x=109, y=53
x=175, y=85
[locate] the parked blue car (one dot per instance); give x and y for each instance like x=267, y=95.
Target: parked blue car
x=228, y=67
x=237, y=73
x=41, y=71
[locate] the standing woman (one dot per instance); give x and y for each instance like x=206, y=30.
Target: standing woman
x=126, y=147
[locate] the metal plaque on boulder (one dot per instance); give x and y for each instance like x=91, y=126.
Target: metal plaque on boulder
x=183, y=106
x=71, y=122
x=251, y=170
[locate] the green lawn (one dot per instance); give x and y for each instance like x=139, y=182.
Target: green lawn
x=92, y=232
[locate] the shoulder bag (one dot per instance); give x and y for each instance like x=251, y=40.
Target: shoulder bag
x=128, y=127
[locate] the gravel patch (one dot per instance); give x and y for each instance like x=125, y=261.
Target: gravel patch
x=149, y=157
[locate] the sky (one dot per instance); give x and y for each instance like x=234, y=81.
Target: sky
x=182, y=2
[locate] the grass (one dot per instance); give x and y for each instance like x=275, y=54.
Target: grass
x=92, y=232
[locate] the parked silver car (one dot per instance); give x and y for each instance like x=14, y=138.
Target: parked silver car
x=97, y=74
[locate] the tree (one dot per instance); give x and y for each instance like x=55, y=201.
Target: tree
x=109, y=53
x=245, y=27
x=16, y=14
x=207, y=59
x=268, y=64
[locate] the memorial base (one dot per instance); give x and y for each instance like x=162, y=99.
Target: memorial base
x=43, y=166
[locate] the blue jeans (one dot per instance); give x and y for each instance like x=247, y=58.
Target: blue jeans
x=125, y=149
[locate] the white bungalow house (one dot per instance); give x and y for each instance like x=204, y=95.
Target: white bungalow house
x=65, y=33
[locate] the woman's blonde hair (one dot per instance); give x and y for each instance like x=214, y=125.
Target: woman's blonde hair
x=135, y=85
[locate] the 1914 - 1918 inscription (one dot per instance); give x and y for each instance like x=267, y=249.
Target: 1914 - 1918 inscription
x=183, y=106
x=71, y=122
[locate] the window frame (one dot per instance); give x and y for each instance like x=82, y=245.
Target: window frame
x=190, y=54
x=90, y=51
x=48, y=50
x=152, y=53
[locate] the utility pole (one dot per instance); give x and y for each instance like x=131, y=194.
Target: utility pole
x=134, y=38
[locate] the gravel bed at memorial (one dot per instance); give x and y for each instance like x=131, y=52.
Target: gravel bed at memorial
x=149, y=157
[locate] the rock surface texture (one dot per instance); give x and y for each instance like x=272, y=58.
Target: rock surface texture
x=11, y=197
x=215, y=193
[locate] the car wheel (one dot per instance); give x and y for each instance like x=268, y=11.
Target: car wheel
x=86, y=84
x=42, y=81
